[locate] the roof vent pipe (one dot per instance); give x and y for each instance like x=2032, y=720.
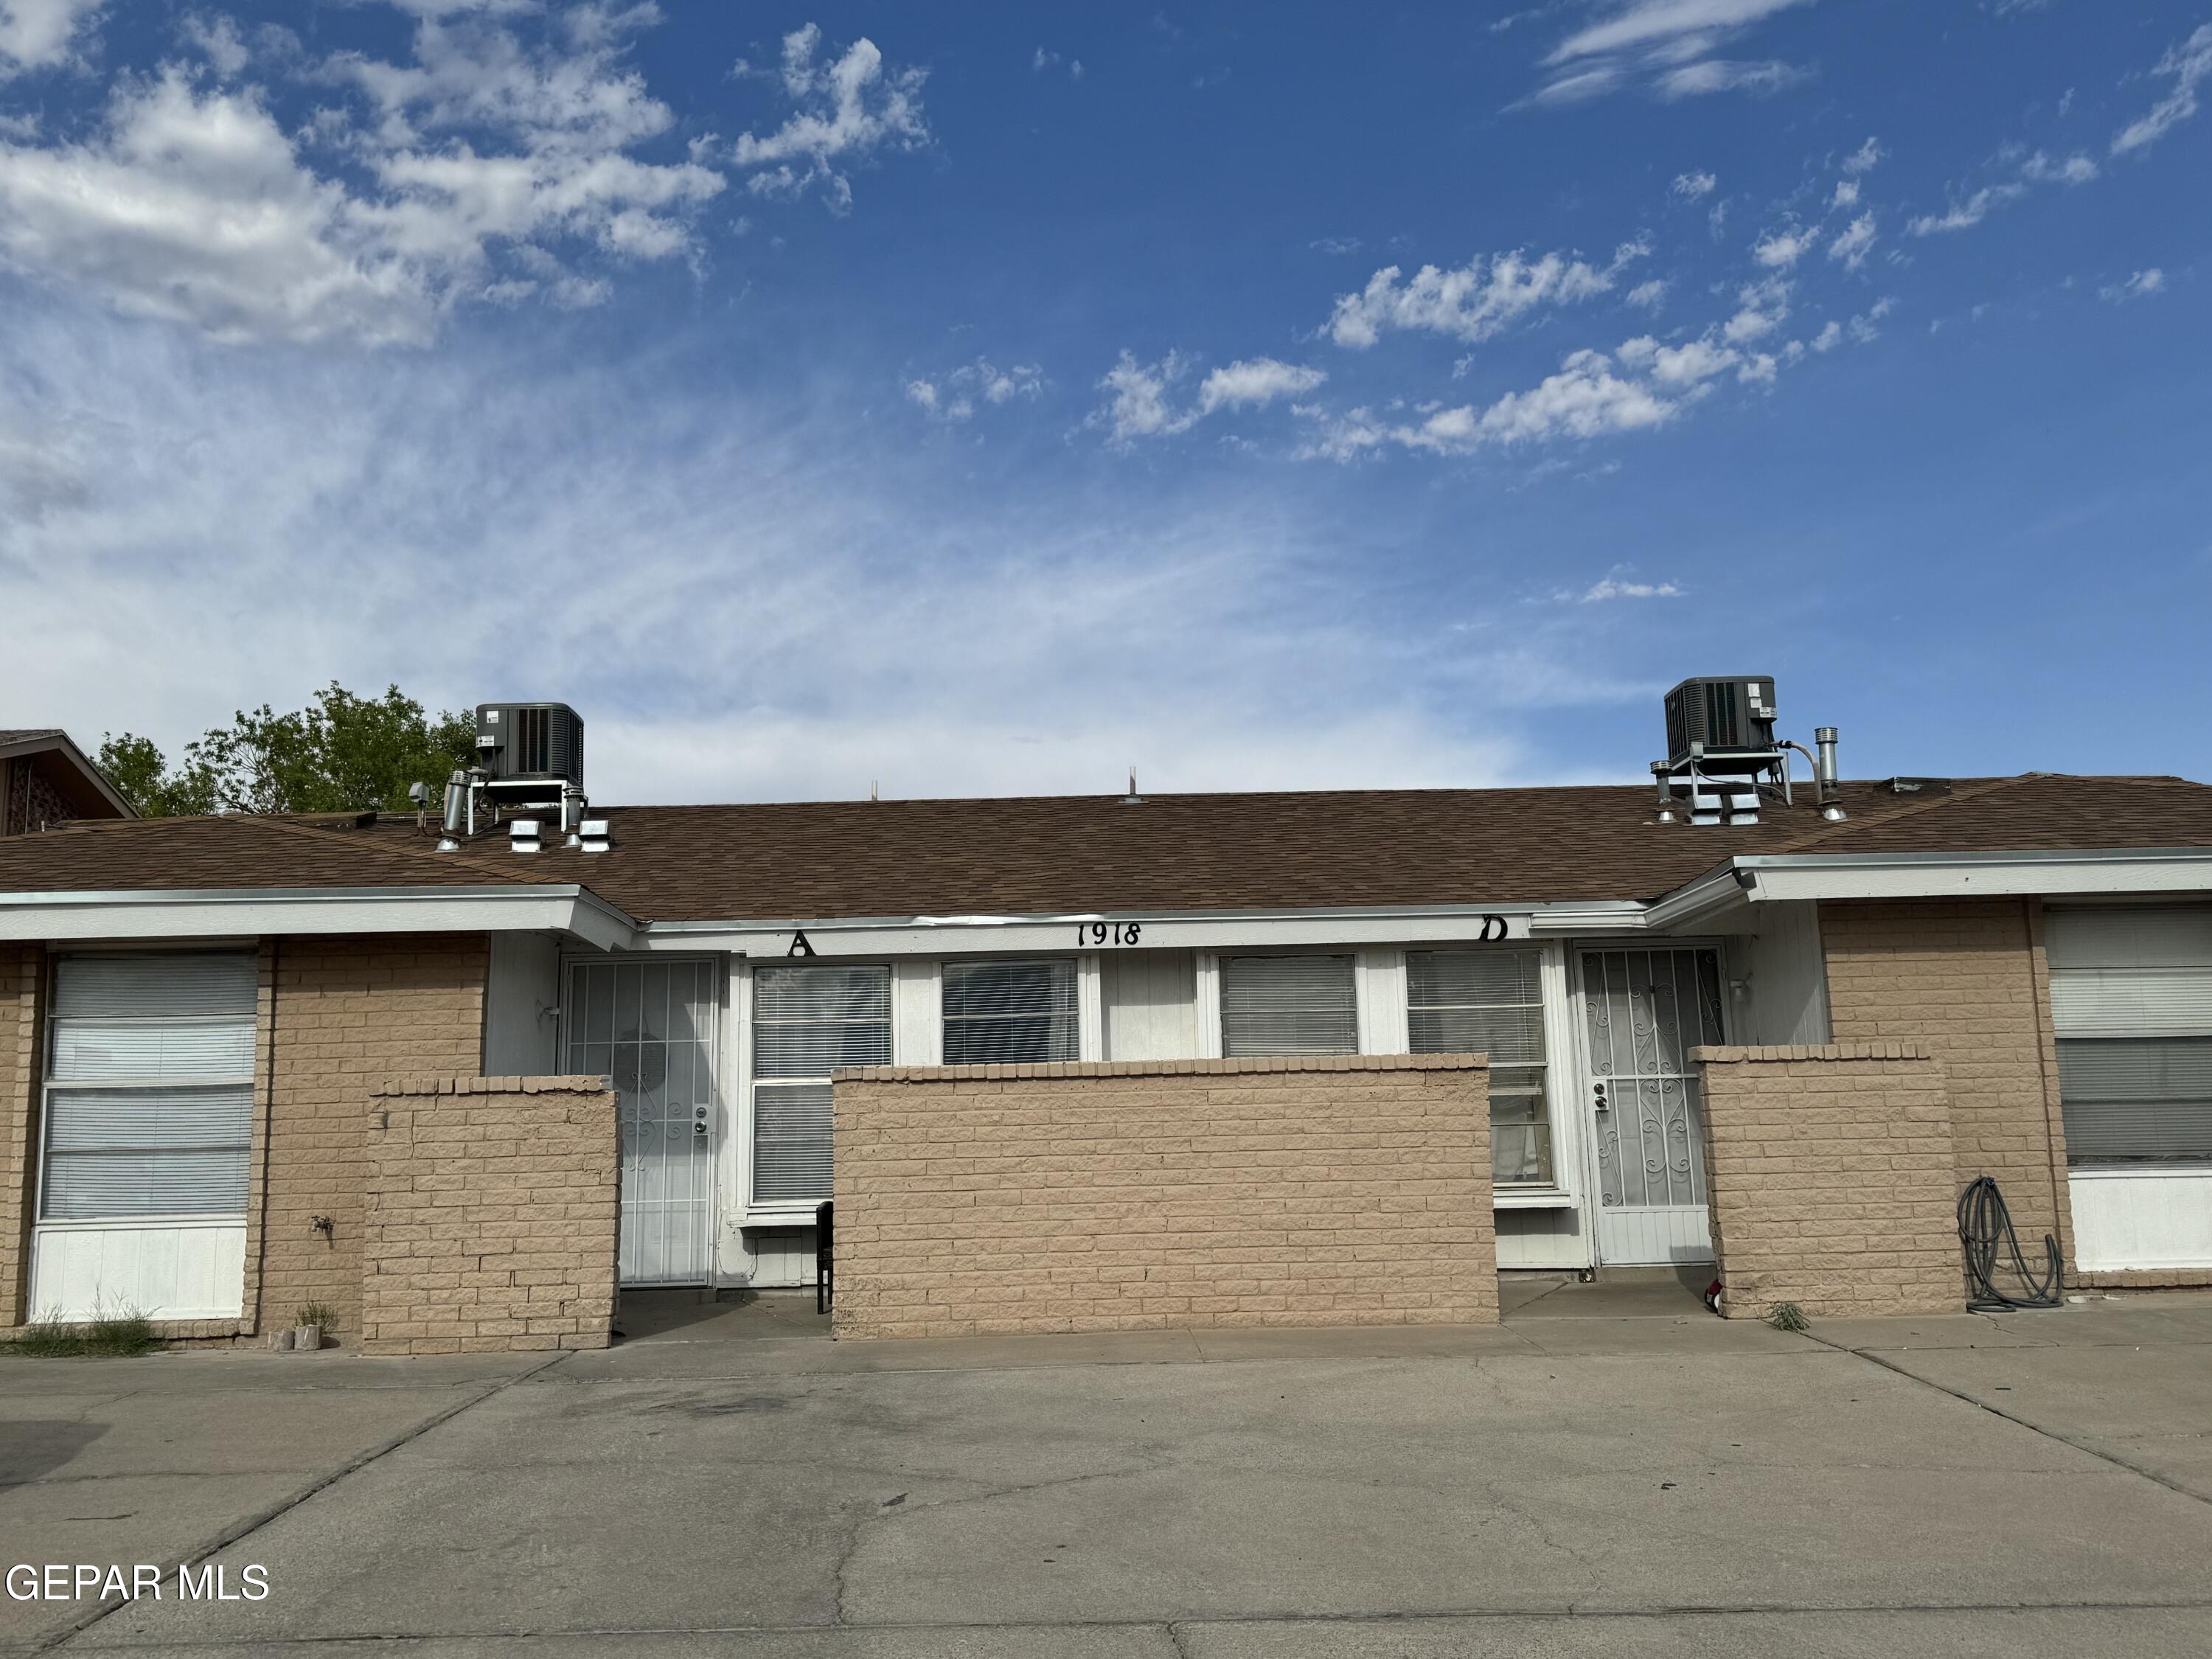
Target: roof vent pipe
x=1824, y=770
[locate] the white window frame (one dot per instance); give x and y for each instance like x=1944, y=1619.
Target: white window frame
x=1089, y=1009
x=1211, y=967
x=48, y=1087
x=1555, y=1009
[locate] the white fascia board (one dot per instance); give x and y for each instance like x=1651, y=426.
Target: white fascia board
x=1796, y=876
x=250, y=913
x=1210, y=930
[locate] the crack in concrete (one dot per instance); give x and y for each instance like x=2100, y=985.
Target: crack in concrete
x=1175, y=1628
x=2117, y=1463
x=252, y=1524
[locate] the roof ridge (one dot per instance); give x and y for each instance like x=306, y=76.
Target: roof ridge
x=309, y=832
x=1972, y=792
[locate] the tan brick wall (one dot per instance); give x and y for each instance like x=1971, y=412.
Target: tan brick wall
x=1968, y=979
x=22, y=982
x=493, y=1215
x=1153, y=1195
x=347, y=1014
x=1830, y=1173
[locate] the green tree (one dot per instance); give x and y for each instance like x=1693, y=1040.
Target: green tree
x=342, y=753
x=141, y=775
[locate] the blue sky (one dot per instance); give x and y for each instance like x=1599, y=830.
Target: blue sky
x=988, y=398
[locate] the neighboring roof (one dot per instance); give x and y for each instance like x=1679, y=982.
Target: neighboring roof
x=236, y=851
x=68, y=769
x=1041, y=856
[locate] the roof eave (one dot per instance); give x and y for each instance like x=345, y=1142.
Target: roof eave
x=1785, y=876
x=253, y=912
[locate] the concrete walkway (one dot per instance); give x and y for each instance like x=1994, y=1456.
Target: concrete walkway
x=1613, y=1471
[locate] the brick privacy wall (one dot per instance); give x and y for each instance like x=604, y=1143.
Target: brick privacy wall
x=1968, y=979
x=22, y=980
x=349, y=1013
x=494, y=1214
x=1129, y=1195
x=1830, y=1172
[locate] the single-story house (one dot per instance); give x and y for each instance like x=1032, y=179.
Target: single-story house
x=245, y=1062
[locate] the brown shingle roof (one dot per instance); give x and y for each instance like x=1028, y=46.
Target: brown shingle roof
x=148, y=854
x=1046, y=855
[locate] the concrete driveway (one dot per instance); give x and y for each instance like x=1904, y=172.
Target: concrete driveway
x=1606, y=1473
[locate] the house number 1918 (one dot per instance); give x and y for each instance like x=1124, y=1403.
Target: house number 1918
x=1106, y=932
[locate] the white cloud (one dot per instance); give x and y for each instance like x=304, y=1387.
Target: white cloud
x=848, y=108
x=1829, y=338
x=1854, y=242
x=1645, y=24
x=1712, y=74
x=1647, y=296
x=682, y=555
x=1618, y=586
x=40, y=33
x=953, y=396
x=195, y=209
x=1762, y=307
x=1473, y=301
x=1669, y=44
x=1140, y=404
x=1256, y=383
x=1046, y=60
x=1585, y=399
x=1694, y=186
x=2188, y=65
x=2140, y=286
x=2036, y=169
x=1847, y=193
x=1865, y=158
x=1964, y=216
x=476, y=169
x=2074, y=170
x=1861, y=327
x=1783, y=248
x=1137, y=404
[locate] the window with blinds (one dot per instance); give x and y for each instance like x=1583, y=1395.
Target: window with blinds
x=1490, y=1002
x=2131, y=1006
x=1288, y=1005
x=1009, y=1012
x=807, y=1022
x=149, y=1087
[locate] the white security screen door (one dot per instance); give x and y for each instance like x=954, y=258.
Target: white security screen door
x=650, y=1025
x=1644, y=1010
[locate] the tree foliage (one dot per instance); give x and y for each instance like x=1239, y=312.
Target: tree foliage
x=341, y=753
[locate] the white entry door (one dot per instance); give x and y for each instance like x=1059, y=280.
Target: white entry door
x=1644, y=1011
x=650, y=1025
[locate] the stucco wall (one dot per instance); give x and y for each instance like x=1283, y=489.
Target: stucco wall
x=1830, y=1170
x=1335, y=1190
x=493, y=1214
x=1967, y=979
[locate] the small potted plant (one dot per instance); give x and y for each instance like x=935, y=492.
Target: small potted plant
x=308, y=1325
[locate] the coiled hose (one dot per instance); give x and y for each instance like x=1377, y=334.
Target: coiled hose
x=1985, y=1229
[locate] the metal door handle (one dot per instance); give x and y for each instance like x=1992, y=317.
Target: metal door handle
x=1601, y=1105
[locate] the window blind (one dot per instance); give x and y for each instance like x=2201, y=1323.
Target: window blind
x=1490, y=1002
x=1288, y=1005
x=149, y=1095
x=807, y=1022
x=2131, y=1006
x=1009, y=1012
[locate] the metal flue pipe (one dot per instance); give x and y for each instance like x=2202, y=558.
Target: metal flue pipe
x=1824, y=771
